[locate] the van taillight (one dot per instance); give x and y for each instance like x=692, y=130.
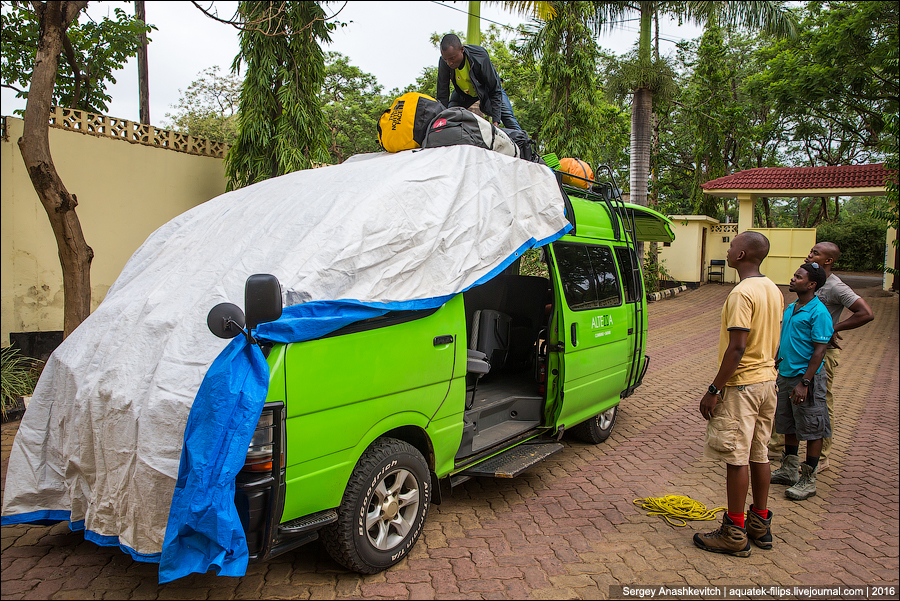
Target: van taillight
x=259, y=455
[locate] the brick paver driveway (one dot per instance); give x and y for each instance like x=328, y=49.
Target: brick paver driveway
x=568, y=528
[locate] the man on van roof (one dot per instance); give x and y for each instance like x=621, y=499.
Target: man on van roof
x=740, y=403
x=474, y=78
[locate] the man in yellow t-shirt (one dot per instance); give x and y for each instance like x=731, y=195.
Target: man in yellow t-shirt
x=740, y=403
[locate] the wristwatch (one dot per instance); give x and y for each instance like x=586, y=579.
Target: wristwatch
x=713, y=390
x=805, y=382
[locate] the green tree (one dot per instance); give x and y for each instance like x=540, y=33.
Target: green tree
x=521, y=79
x=837, y=85
x=281, y=126
x=209, y=107
x=34, y=37
x=769, y=16
x=92, y=52
x=352, y=103
x=708, y=107
x=861, y=240
x=839, y=78
x=576, y=120
x=717, y=123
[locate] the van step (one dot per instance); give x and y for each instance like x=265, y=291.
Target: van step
x=501, y=432
x=308, y=522
x=513, y=462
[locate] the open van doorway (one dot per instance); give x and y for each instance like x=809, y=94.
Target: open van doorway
x=507, y=320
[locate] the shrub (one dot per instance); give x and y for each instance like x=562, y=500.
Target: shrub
x=655, y=273
x=531, y=264
x=17, y=377
x=861, y=241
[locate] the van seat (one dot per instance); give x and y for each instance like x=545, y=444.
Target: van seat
x=477, y=363
x=522, y=297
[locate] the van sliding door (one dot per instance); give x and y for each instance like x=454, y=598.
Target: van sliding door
x=594, y=330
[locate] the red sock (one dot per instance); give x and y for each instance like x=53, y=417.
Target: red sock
x=737, y=518
x=764, y=513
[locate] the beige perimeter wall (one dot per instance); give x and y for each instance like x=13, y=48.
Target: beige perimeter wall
x=699, y=239
x=125, y=191
x=788, y=249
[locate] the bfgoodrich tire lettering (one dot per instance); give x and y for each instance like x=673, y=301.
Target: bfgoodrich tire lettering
x=383, y=508
x=598, y=428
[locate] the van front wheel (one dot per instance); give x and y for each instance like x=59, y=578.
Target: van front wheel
x=383, y=508
x=598, y=428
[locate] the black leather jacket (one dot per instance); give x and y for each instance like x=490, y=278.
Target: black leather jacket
x=484, y=77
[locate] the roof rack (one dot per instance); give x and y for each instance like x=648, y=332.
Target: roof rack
x=606, y=192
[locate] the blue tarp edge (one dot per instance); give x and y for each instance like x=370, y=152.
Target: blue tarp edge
x=48, y=517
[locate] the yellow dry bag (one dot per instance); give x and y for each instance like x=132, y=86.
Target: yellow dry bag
x=403, y=126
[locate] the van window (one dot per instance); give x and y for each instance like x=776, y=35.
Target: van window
x=626, y=265
x=588, y=275
x=390, y=318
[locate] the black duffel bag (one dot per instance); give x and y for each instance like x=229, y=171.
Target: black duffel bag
x=456, y=126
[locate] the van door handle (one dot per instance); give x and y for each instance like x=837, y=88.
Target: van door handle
x=442, y=340
x=630, y=331
x=574, y=334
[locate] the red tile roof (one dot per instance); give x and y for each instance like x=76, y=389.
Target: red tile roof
x=789, y=178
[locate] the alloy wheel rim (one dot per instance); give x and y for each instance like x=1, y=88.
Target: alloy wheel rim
x=604, y=420
x=392, y=509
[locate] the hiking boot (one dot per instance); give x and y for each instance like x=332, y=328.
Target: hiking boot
x=806, y=487
x=759, y=530
x=789, y=472
x=728, y=538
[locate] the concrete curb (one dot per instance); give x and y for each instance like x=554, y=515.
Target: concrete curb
x=655, y=296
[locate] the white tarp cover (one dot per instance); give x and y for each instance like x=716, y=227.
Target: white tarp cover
x=102, y=437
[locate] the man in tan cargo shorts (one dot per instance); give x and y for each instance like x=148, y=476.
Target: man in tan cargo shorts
x=740, y=403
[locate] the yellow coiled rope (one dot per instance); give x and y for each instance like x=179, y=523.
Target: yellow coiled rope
x=676, y=507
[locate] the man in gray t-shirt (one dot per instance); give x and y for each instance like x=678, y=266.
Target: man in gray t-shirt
x=836, y=295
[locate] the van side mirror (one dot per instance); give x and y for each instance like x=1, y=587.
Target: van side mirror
x=262, y=299
x=225, y=320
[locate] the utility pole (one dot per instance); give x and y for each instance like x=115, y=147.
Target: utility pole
x=143, y=76
x=473, y=35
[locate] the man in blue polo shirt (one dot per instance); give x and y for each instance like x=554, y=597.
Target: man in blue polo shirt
x=801, y=413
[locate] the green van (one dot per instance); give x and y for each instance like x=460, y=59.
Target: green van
x=364, y=427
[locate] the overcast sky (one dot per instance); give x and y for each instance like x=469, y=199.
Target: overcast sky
x=387, y=39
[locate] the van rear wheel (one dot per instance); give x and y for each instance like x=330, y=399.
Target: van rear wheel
x=598, y=428
x=383, y=509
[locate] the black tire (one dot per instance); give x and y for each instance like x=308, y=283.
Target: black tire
x=598, y=428
x=390, y=492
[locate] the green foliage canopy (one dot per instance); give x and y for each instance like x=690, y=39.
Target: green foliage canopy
x=209, y=107
x=860, y=239
x=576, y=120
x=281, y=125
x=840, y=73
x=98, y=49
x=352, y=103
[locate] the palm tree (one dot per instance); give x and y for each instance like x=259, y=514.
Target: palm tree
x=771, y=17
